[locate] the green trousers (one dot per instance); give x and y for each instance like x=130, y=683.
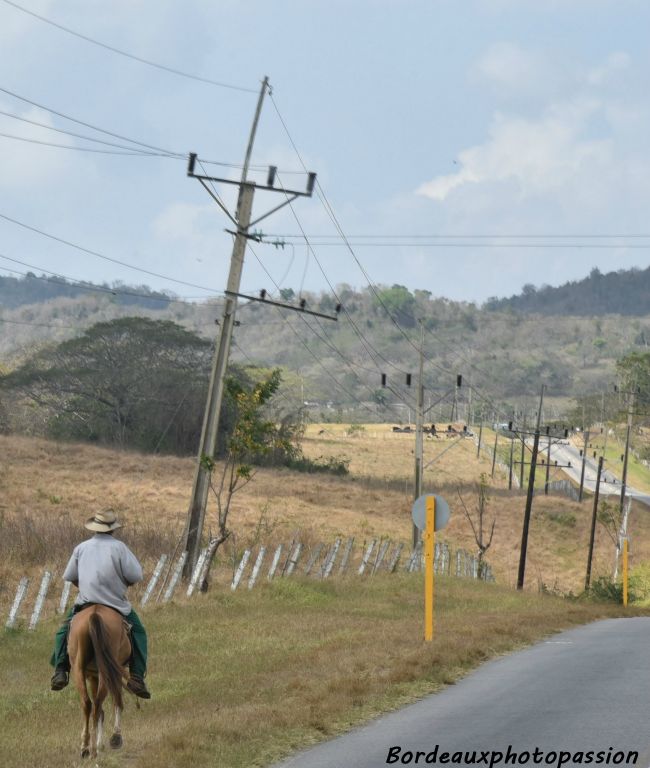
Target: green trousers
x=138, y=660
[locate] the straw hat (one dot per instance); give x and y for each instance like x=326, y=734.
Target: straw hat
x=103, y=522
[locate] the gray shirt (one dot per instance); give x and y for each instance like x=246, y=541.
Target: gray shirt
x=103, y=568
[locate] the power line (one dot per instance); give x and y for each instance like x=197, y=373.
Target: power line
x=128, y=55
x=76, y=135
x=494, y=236
x=362, y=337
x=607, y=246
x=82, y=149
x=89, y=125
x=349, y=364
x=103, y=256
x=330, y=212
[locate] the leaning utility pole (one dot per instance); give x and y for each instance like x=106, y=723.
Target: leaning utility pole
x=242, y=222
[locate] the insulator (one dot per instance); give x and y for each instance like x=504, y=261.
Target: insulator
x=338, y=308
x=408, y=379
x=459, y=380
x=270, y=179
x=303, y=303
x=383, y=379
x=263, y=293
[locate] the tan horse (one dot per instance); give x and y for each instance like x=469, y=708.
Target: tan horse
x=99, y=649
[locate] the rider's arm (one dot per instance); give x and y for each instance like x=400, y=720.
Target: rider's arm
x=131, y=568
x=71, y=572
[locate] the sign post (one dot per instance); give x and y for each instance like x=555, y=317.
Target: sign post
x=625, y=572
x=429, y=553
x=430, y=513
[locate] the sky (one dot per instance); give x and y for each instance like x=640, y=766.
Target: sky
x=465, y=147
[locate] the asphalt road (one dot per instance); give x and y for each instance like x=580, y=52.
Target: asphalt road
x=563, y=454
x=584, y=690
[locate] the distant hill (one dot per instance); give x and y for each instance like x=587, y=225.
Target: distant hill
x=626, y=292
x=501, y=348
x=35, y=289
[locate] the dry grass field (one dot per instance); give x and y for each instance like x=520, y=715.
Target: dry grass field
x=48, y=489
x=240, y=679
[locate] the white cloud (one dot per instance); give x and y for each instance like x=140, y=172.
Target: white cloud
x=507, y=65
x=539, y=155
x=25, y=163
x=615, y=63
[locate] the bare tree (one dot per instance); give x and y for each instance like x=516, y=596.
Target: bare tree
x=477, y=520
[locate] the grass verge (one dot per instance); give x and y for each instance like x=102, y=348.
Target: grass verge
x=243, y=679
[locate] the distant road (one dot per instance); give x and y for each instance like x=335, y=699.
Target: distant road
x=584, y=690
x=565, y=453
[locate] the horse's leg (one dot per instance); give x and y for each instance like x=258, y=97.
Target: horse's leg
x=99, y=694
x=86, y=706
x=116, y=738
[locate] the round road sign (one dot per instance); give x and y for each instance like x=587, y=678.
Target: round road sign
x=419, y=512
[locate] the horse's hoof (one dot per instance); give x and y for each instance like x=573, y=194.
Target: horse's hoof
x=85, y=752
x=116, y=741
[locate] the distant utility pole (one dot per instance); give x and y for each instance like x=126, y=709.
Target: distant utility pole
x=584, y=462
x=529, y=498
x=242, y=222
x=594, y=516
x=419, y=419
x=630, y=410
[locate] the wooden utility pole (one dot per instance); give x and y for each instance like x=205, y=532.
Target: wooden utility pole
x=529, y=498
x=494, y=450
x=630, y=410
x=594, y=515
x=210, y=428
x=584, y=462
x=548, y=466
x=419, y=419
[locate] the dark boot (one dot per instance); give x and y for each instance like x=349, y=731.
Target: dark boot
x=137, y=685
x=59, y=679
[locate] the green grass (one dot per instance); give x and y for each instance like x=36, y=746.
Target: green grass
x=638, y=476
x=243, y=679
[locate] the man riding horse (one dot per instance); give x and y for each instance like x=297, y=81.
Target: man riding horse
x=103, y=567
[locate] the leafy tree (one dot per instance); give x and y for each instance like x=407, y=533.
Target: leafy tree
x=133, y=381
x=400, y=302
x=253, y=439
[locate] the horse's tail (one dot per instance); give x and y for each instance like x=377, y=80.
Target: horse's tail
x=110, y=671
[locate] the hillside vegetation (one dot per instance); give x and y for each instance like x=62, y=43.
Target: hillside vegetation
x=501, y=348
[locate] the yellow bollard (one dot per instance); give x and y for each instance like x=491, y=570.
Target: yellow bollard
x=429, y=553
x=625, y=571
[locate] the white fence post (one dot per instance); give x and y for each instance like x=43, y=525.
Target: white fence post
x=274, y=562
x=330, y=562
x=256, y=567
x=313, y=558
x=65, y=596
x=240, y=570
x=38, y=606
x=380, y=556
x=153, y=580
x=366, y=556
x=346, y=556
x=175, y=577
x=294, y=558
x=197, y=572
x=20, y=596
x=392, y=565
